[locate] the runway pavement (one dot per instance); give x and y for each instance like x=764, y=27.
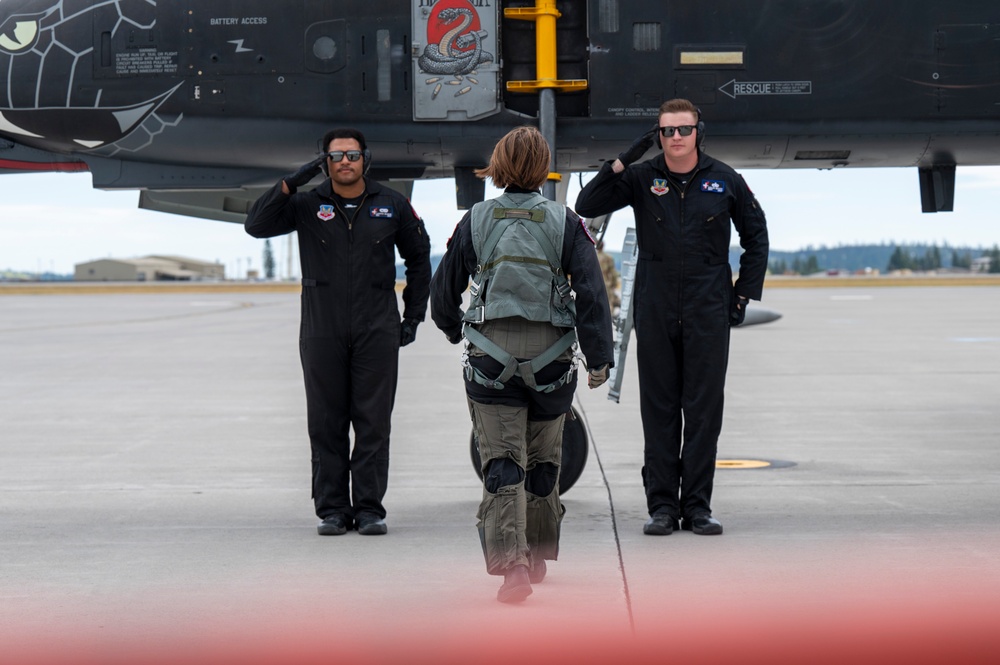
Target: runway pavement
x=154, y=497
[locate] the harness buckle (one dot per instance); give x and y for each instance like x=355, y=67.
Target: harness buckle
x=563, y=289
x=478, y=314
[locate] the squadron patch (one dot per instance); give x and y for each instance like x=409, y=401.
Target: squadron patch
x=659, y=187
x=386, y=212
x=587, y=231
x=713, y=186
x=326, y=213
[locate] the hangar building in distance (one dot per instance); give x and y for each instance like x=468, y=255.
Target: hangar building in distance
x=148, y=269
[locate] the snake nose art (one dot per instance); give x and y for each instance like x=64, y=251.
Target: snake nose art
x=51, y=97
x=19, y=33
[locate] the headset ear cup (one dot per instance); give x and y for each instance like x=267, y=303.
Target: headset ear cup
x=701, y=133
x=325, y=166
x=367, y=156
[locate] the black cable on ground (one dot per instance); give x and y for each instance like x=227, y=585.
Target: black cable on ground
x=614, y=518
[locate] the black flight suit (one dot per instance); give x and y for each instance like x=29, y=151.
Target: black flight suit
x=350, y=330
x=683, y=296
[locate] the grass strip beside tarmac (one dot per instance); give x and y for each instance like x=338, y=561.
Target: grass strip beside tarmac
x=772, y=282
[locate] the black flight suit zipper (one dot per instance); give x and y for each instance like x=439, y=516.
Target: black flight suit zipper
x=350, y=262
x=682, y=192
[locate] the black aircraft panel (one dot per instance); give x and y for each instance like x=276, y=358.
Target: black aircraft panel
x=227, y=94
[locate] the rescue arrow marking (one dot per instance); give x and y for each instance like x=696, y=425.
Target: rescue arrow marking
x=736, y=88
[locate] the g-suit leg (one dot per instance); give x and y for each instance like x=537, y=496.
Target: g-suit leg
x=502, y=431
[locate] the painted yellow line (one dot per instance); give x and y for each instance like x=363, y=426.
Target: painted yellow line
x=741, y=464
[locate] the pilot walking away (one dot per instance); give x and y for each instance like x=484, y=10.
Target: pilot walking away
x=685, y=203
x=526, y=255
x=349, y=227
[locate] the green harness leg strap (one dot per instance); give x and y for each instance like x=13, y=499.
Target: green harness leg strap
x=526, y=370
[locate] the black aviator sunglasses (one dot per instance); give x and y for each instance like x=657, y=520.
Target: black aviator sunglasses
x=683, y=130
x=352, y=155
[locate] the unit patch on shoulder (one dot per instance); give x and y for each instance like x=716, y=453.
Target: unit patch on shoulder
x=714, y=186
x=326, y=213
x=386, y=212
x=659, y=187
x=587, y=231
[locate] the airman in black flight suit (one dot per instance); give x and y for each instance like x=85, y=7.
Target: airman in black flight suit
x=685, y=204
x=350, y=333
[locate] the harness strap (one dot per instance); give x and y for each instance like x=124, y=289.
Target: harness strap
x=526, y=370
x=550, y=251
x=490, y=245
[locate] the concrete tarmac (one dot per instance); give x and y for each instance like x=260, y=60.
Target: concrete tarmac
x=155, y=503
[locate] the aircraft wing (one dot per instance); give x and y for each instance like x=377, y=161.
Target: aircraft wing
x=224, y=205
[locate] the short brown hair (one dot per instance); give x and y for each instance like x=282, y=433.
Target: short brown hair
x=679, y=106
x=343, y=133
x=520, y=158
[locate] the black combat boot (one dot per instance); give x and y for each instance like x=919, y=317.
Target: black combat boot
x=516, y=585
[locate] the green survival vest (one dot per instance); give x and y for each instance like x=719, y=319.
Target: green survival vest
x=518, y=241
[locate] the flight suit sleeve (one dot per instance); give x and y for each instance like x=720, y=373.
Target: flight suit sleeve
x=607, y=192
x=273, y=214
x=751, y=226
x=593, y=314
x=415, y=249
x=452, y=278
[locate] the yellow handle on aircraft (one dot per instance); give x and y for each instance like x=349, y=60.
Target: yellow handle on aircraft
x=544, y=14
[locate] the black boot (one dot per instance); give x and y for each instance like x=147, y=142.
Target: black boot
x=516, y=585
x=538, y=570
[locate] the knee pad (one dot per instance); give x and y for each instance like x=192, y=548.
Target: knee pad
x=501, y=472
x=541, y=479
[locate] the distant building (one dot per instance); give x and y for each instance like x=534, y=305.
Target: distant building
x=148, y=269
x=981, y=264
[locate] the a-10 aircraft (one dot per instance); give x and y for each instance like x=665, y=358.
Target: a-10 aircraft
x=201, y=104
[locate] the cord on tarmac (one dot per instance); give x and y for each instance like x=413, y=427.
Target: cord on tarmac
x=614, y=518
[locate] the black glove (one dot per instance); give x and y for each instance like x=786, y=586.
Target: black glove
x=407, y=331
x=306, y=173
x=738, y=311
x=597, y=376
x=455, y=337
x=638, y=147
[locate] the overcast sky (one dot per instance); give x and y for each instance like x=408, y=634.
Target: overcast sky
x=50, y=222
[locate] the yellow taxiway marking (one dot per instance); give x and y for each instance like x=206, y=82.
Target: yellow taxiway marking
x=741, y=464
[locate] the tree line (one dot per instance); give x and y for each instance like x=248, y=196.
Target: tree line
x=887, y=257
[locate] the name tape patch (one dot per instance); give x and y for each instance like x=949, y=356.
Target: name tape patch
x=381, y=211
x=714, y=186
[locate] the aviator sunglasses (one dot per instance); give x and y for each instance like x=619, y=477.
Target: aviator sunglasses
x=352, y=155
x=683, y=130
